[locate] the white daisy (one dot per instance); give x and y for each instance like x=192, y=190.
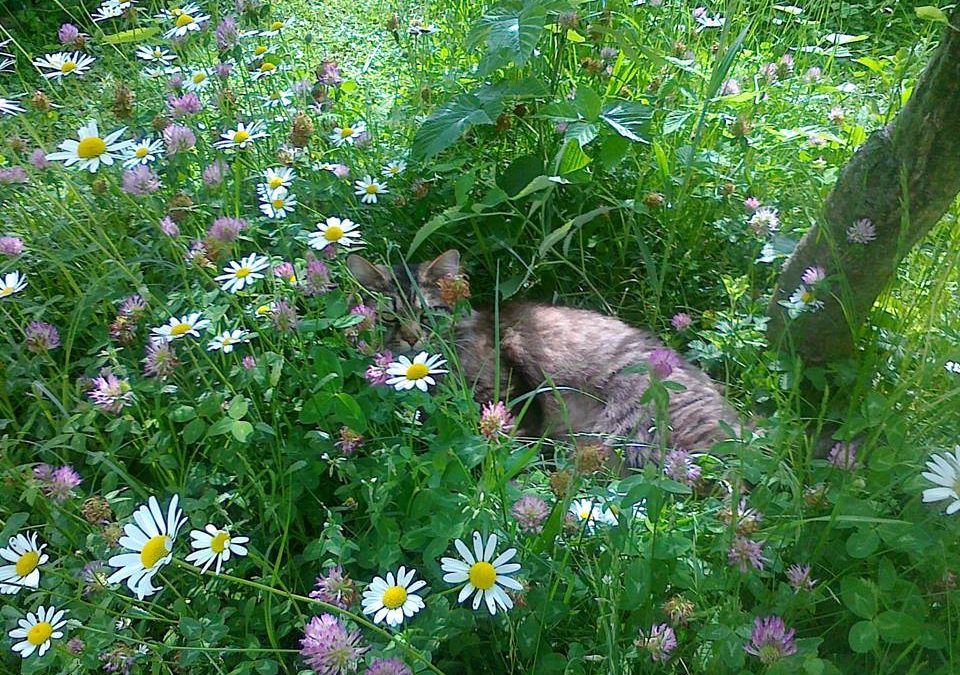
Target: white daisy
x=342, y=231
x=10, y=106
x=278, y=99
x=188, y=324
x=241, y=137
x=275, y=178
x=408, y=374
x=484, y=574
x=394, y=168
x=369, y=189
x=944, y=470
x=186, y=23
x=591, y=513
x=111, y=9
x=261, y=50
x=142, y=152
x=952, y=367
x=278, y=203
x=197, y=81
x=346, y=134
x=264, y=310
x=277, y=27
x=6, y=64
x=150, y=539
x=393, y=598
x=90, y=150
x=158, y=54
x=62, y=64
x=226, y=340
x=173, y=13
x=37, y=630
x=266, y=69
x=804, y=299
x=238, y=275
x=26, y=556
x=12, y=282
x=214, y=545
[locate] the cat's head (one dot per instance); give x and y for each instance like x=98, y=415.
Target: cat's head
x=409, y=293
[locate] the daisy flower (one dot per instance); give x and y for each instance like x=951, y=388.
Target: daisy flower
x=944, y=471
x=346, y=134
x=335, y=230
x=278, y=99
x=27, y=555
x=369, y=189
x=393, y=598
x=486, y=577
x=61, y=64
x=261, y=50
x=185, y=23
x=278, y=203
x=276, y=27
x=407, y=375
x=276, y=178
x=142, y=152
x=90, y=150
x=173, y=13
x=238, y=275
x=226, y=341
x=591, y=513
x=198, y=81
x=241, y=137
x=188, y=324
x=265, y=69
x=10, y=106
x=12, y=282
x=803, y=300
x=214, y=545
x=156, y=54
x=394, y=168
x=37, y=630
x=150, y=542
x=111, y=9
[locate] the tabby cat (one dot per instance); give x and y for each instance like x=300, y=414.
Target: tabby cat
x=578, y=361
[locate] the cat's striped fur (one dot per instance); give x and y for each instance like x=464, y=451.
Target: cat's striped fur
x=575, y=358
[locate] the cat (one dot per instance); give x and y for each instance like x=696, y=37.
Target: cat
x=579, y=361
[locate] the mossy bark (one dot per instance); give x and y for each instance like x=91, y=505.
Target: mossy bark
x=903, y=179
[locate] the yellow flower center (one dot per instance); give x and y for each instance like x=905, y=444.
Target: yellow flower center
x=292, y=278
x=68, y=66
x=27, y=563
x=346, y=132
x=275, y=182
x=266, y=67
x=39, y=633
x=263, y=309
x=141, y=152
x=418, y=371
x=277, y=203
x=90, y=147
x=157, y=53
x=394, y=597
x=333, y=233
x=199, y=77
x=259, y=49
x=584, y=513
x=242, y=272
x=183, y=19
x=156, y=548
x=276, y=25
x=482, y=575
x=180, y=329
x=222, y=539
x=807, y=297
x=372, y=189
x=240, y=136
x=5, y=291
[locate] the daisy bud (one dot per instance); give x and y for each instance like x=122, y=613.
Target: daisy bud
x=123, y=102
x=301, y=130
x=40, y=101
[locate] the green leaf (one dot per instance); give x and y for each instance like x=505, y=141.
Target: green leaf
x=613, y=150
x=194, y=431
x=182, y=413
x=221, y=427
x=537, y=184
x=931, y=13
x=859, y=596
x=862, y=636
x=241, y=430
x=520, y=173
x=430, y=227
x=897, y=626
x=238, y=408
x=588, y=103
x=862, y=543
x=448, y=122
x=515, y=31
x=675, y=120
x=629, y=119
x=134, y=35
x=14, y=523
x=572, y=158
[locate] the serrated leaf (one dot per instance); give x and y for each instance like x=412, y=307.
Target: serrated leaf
x=516, y=31
x=448, y=122
x=629, y=119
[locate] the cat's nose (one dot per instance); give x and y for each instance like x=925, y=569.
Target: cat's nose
x=410, y=333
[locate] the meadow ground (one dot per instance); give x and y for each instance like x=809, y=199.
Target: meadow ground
x=211, y=464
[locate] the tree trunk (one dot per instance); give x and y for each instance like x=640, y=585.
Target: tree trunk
x=903, y=179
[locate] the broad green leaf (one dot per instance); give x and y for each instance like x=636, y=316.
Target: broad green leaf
x=516, y=31
x=629, y=119
x=572, y=158
x=896, y=626
x=448, y=122
x=14, y=523
x=588, y=103
x=536, y=185
x=862, y=636
x=241, y=430
x=518, y=175
x=674, y=120
x=862, y=543
x=429, y=228
x=859, y=596
x=238, y=408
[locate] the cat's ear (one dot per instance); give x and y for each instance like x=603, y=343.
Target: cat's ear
x=374, y=277
x=446, y=264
